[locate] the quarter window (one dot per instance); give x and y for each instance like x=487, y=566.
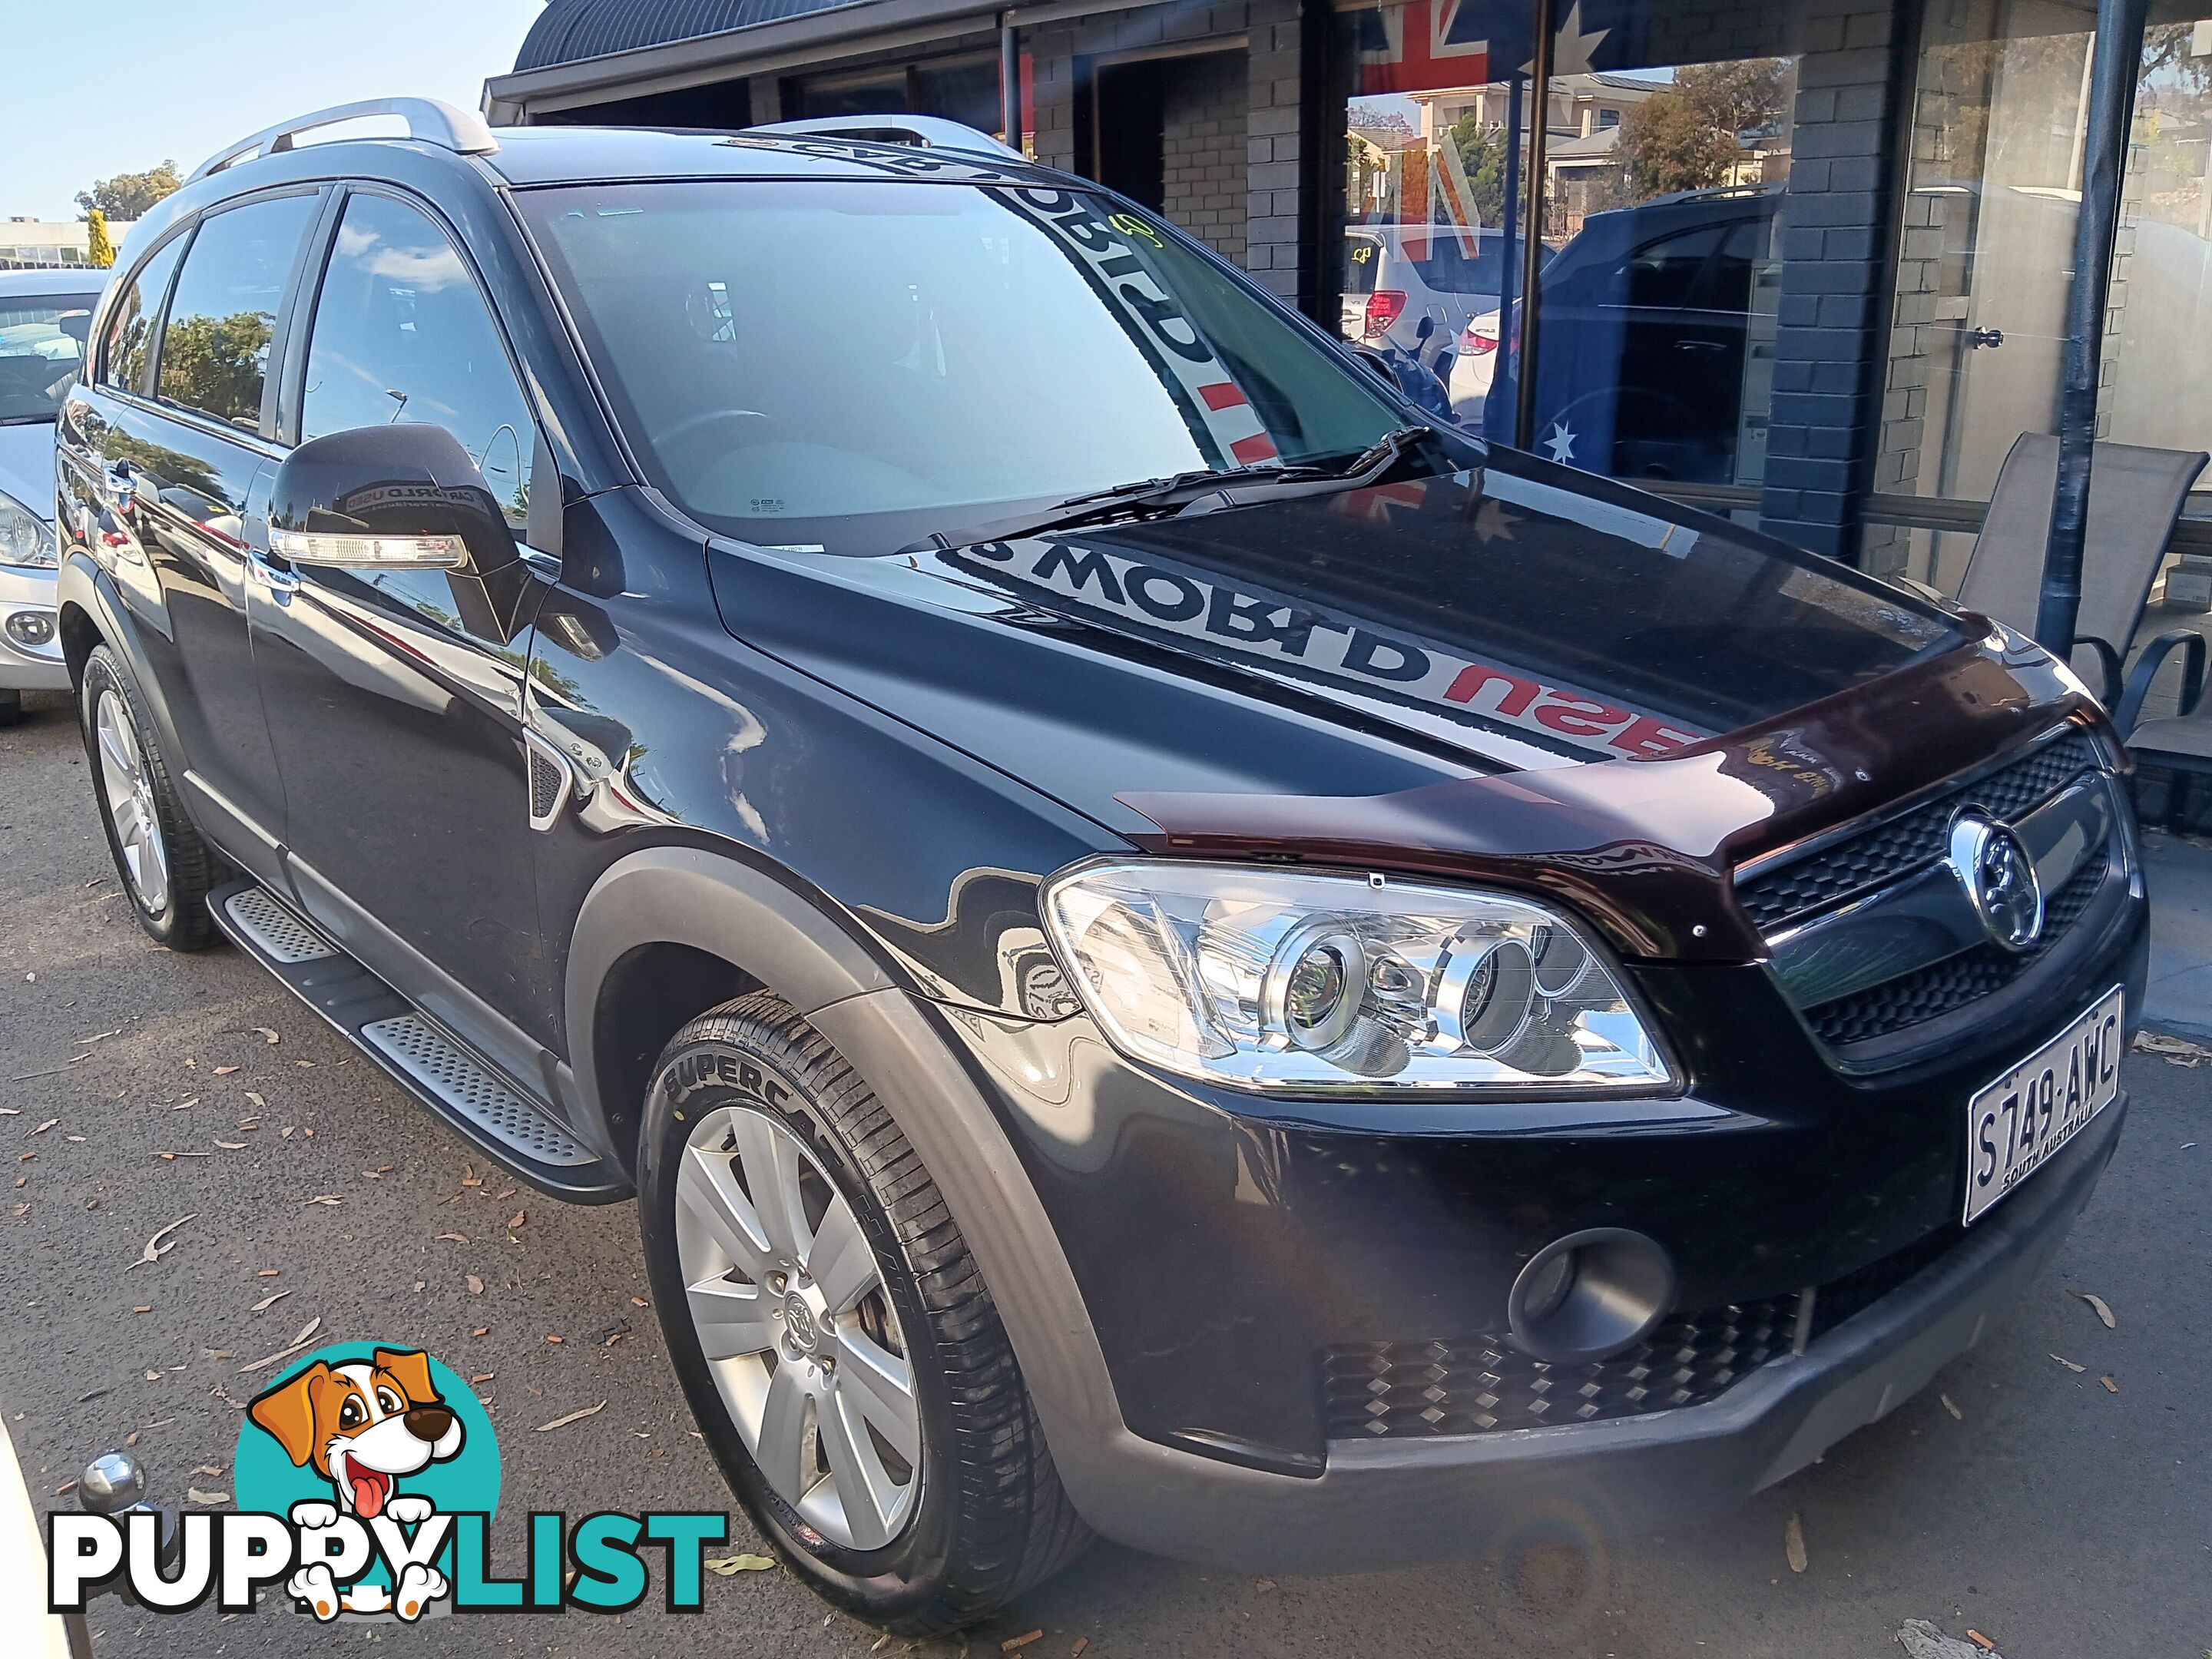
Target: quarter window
x=215, y=349
x=401, y=333
x=130, y=345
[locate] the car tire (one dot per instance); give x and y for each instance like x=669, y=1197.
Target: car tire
x=741, y=1095
x=166, y=867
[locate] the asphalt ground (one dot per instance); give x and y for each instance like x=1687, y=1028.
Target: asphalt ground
x=2060, y=1518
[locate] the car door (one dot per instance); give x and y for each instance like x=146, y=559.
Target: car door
x=184, y=473
x=395, y=697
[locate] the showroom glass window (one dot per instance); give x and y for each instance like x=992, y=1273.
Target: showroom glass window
x=402, y=334
x=1666, y=157
x=215, y=347
x=1985, y=257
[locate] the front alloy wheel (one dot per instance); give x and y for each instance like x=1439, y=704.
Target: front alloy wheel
x=835, y=1339
x=793, y=1317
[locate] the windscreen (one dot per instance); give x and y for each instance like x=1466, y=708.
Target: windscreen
x=42, y=339
x=852, y=364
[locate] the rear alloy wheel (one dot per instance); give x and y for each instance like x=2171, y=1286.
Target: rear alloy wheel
x=166, y=867
x=839, y=1348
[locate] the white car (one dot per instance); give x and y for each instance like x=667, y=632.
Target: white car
x=1387, y=290
x=1475, y=366
x=45, y=318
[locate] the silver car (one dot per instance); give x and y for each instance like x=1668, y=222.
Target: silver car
x=45, y=317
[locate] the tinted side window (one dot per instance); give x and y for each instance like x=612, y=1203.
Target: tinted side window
x=129, y=346
x=401, y=333
x=215, y=349
x=1662, y=275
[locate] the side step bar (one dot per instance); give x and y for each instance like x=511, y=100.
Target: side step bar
x=492, y=1111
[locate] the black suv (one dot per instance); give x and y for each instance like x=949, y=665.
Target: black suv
x=1163, y=950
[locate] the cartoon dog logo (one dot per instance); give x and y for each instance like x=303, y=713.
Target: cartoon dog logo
x=363, y=1427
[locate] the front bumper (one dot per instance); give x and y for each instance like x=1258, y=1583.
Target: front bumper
x=1388, y=1504
x=25, y=667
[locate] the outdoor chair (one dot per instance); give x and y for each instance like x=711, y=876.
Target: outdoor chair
x=2135, y=496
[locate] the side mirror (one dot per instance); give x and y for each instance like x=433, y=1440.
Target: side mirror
x=385, y=498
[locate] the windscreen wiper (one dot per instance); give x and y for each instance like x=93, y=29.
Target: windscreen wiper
x=1199, y=491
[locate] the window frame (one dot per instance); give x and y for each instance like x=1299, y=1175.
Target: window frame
x=286, y=304
x=293, y=388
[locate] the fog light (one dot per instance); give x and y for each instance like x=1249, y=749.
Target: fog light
x=1589, y=1295
x=34, y=628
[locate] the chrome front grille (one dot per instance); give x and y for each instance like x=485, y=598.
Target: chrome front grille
x=1872, y=935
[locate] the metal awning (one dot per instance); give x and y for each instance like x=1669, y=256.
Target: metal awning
x=581, y=53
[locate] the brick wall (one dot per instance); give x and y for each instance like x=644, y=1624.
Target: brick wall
x=1202, y=142
x=1833, y=243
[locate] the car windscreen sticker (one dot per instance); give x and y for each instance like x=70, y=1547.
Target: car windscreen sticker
x=1330, y=648
x=1105, y=248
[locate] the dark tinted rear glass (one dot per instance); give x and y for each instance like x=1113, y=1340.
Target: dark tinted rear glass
x=130, y=327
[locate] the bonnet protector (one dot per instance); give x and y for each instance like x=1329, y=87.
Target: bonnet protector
x=1647, y=848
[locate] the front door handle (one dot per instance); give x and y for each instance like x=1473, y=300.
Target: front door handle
x=281, y=581
x=117, y=487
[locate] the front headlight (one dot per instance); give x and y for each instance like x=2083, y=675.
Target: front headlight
x=1280, y=980
x=25, y=537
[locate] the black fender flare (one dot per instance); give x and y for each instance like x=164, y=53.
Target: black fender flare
x=686, y=895
x=83, y=585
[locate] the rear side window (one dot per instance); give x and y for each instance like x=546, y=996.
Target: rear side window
x=401, y=333
x=215, y=349
x=129, y=352
x=1363, y=256
x=1663, y=275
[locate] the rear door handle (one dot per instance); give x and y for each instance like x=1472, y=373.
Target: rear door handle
x=1699, y=345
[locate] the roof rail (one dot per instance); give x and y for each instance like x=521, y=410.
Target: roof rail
x=430, y=119
x=921, y=132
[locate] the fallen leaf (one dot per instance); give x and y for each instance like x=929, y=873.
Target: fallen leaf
x=1081, y=1643
x=1952, y=1406
x=131, y=1439
x=2173, y=1050
x=1793, y=1543
x=148, y=1308
x=2069, y=1364
x=269, y=1302
x=289, y=1349
x=728, y=1564
x=482, y=1377
x=156, y=1249
x=232, y=1145
x=638, y=1302
x=475, y=1286
x=453, y=1238
x=2097, y=1306
x=2111, y=1386
x=326, y=1198
x=196, y=1495
x=43, y=1128
x=556, y=1338
x=267, y=1036
x=516, y=1221
x=480, y=1330
x=572, y=1417
x=260, y=1104
x=153, y=1377
x=1980, y=1640
x=66, y=1487
x=267, y=1273
x=1922, y=1640
x=1014, y=1643
x=225, y=1070
x=209, y=1468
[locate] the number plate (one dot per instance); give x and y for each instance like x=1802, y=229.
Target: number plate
x=2015, y=1124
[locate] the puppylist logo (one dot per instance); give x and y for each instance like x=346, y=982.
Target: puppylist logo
x=366, y=1479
